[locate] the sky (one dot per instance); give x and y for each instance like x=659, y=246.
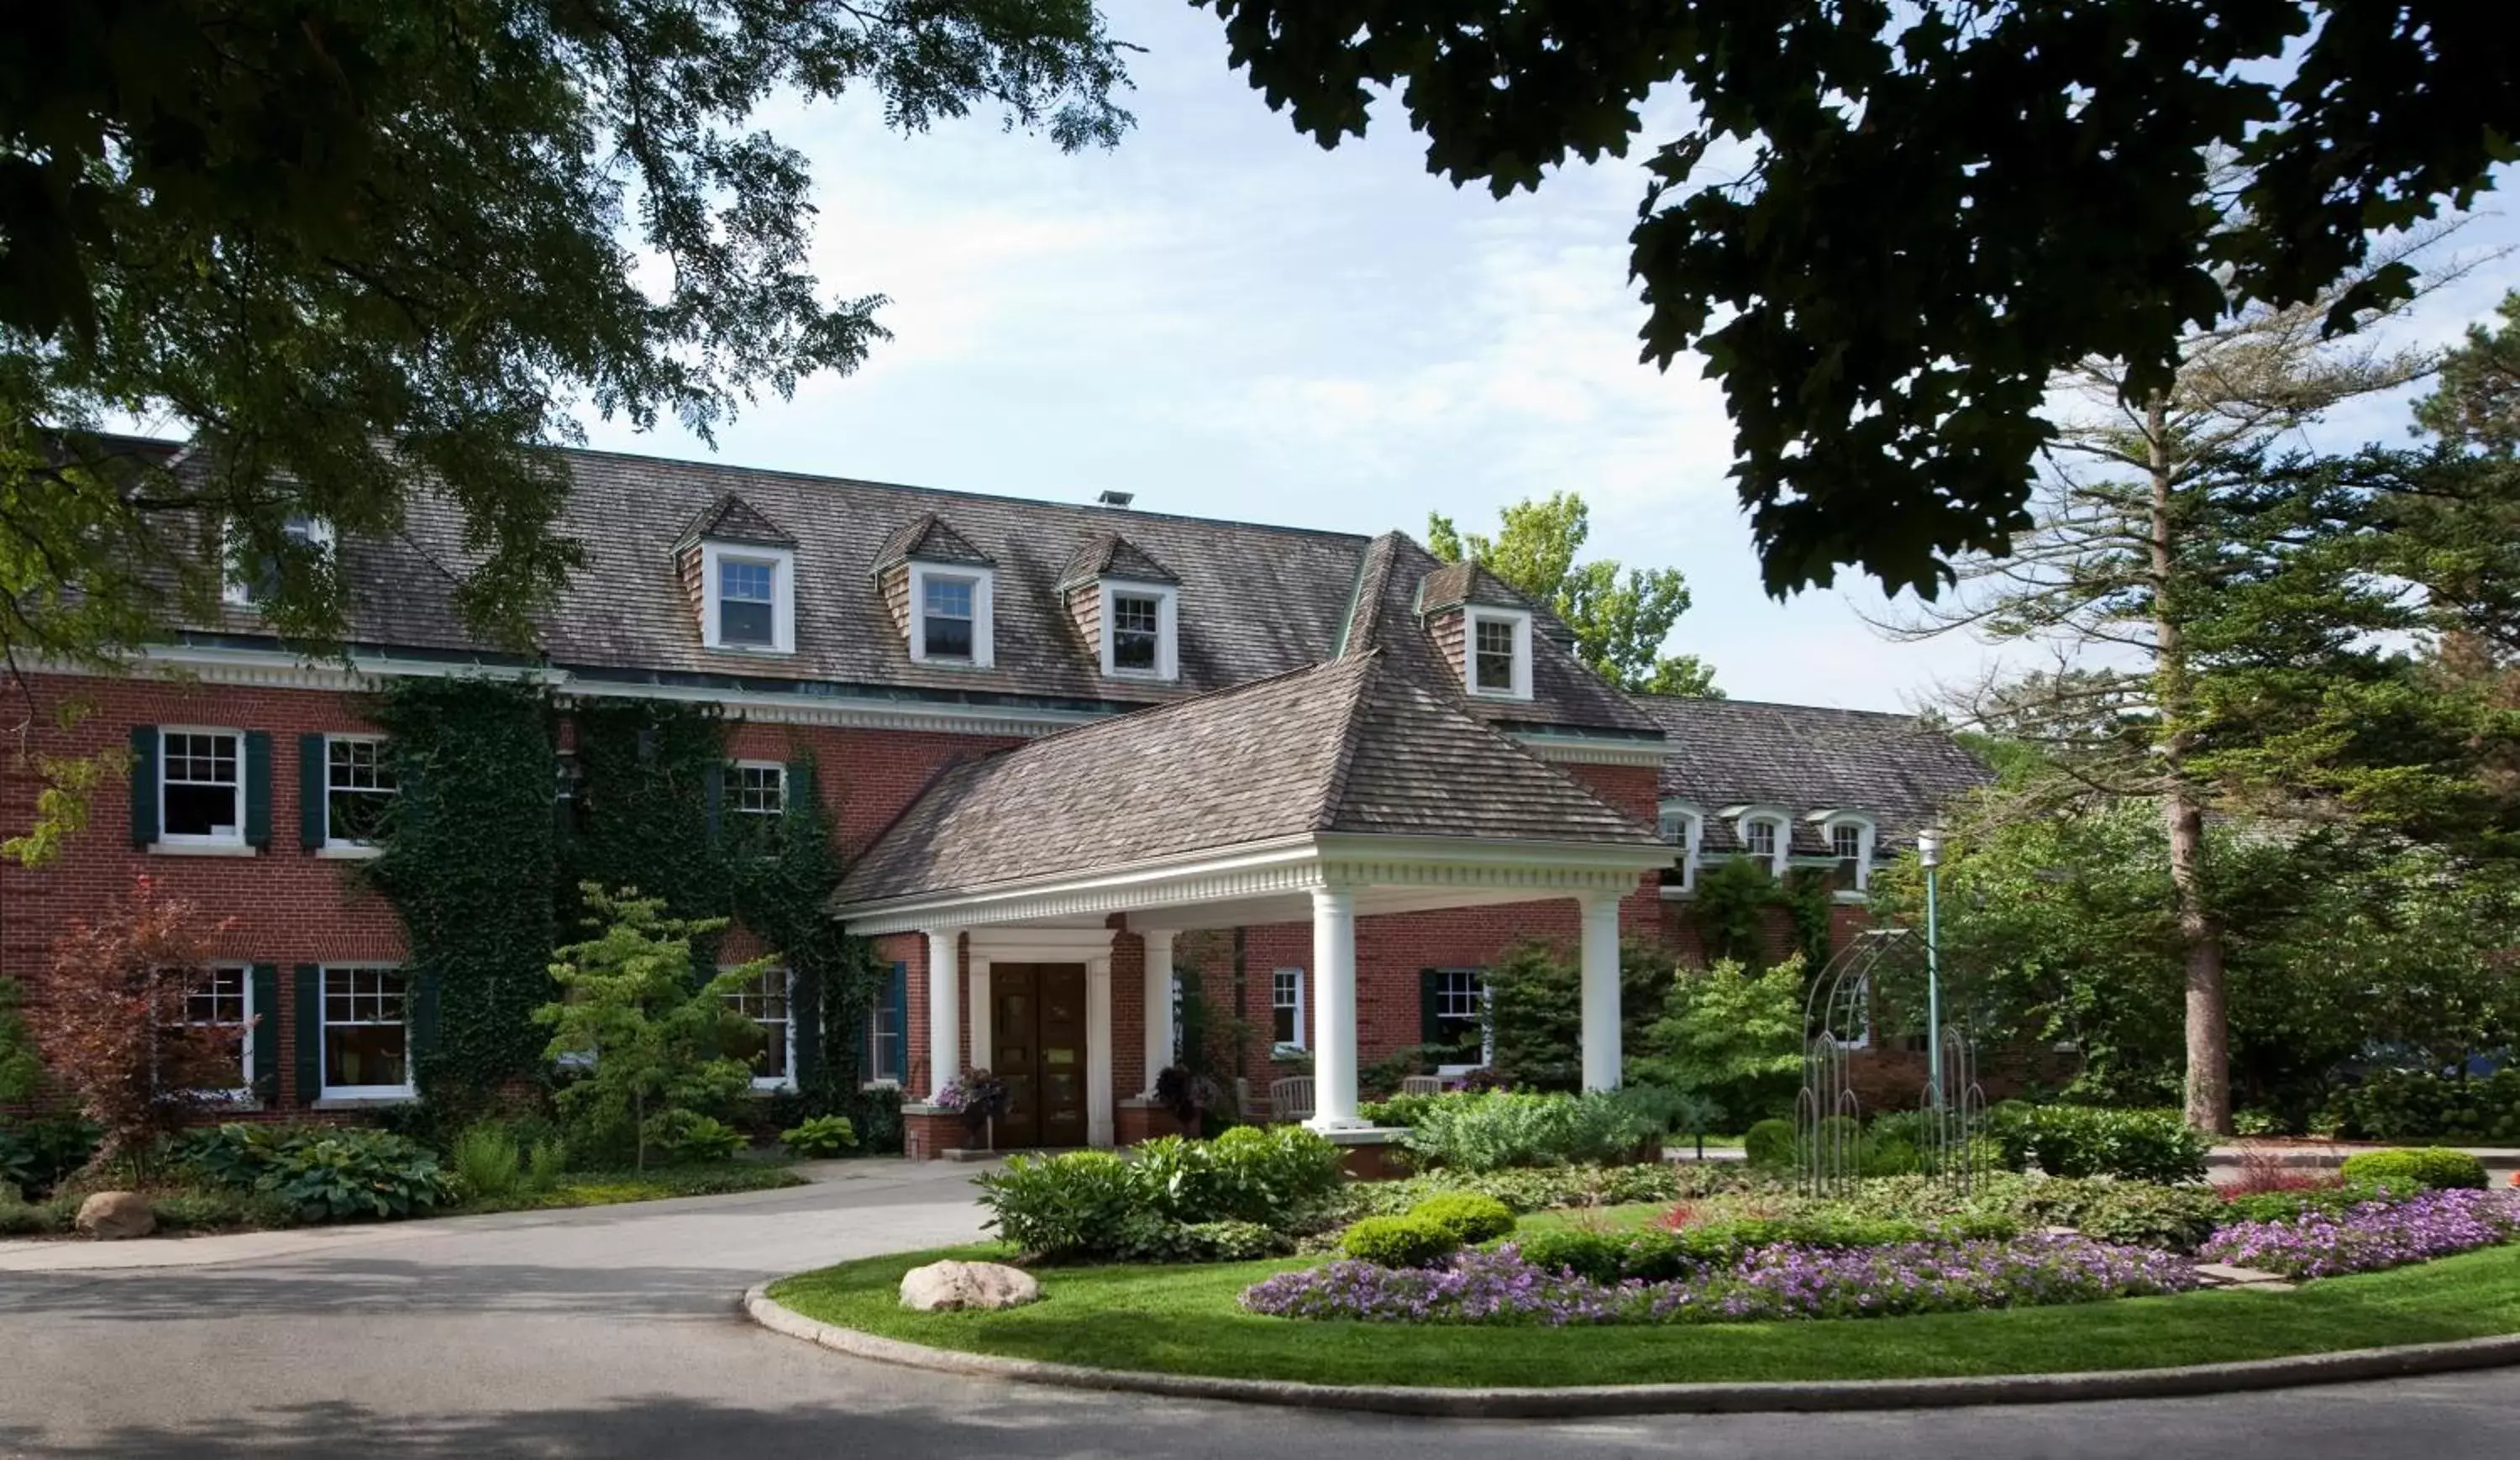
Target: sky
x=1227, y=321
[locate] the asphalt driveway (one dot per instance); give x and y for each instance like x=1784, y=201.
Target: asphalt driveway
x=613, y=1332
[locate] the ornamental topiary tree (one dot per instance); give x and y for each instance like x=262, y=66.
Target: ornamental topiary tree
x=112, y=1029
x=660, y=1040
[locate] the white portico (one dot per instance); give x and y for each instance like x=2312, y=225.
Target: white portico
x=1341, y=792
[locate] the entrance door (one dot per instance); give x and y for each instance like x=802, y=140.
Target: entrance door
x=1037, y=1024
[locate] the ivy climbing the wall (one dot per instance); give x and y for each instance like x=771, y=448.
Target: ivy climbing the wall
x=1731, y=904
x=471, y=864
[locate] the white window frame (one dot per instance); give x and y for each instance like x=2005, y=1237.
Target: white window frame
x=242, y=1092
x=1487, y=1033
x=1167, y=629
x=876, y=1079
x=983, y=583
x=782, y=563
x=346, y=847
x=1472, y=616
x=231, y=841
x=324, y=1026
x=1301, y=1006
x=735, y=783
x=1693, y=835
x=1866, y=839
x=787, y=1021
x=1784, y=834
x=238, y=592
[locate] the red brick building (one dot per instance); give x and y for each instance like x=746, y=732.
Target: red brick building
x=1060, y=748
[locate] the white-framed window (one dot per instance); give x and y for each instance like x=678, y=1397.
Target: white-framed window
x=759, y=788
x=1762, y=837
x=1286, y=1008
x=1496, y=644
x=952, y=615
x=887, y=1045
x=748, y=598
x=367, y=1034
x=1683, y=826
x=221, y=1000
x=1140, y=628
x=358, y=790
x=252, y=581
x=200, y=786
x=1850, y=846
x=764, y=1001
x=1460, y=1013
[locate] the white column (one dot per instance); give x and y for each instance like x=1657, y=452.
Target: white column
x=975, y=977
x=1600, y=991
x=1097, y=1051
x=1159, y=1005
x=1333, y=1010
x=944, y=1007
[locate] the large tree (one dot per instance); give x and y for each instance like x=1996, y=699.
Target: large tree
x=1621, y=621
x=2212, y=613
x=350, y=249
x=1885, y=226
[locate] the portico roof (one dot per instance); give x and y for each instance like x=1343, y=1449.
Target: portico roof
x=1334, y=760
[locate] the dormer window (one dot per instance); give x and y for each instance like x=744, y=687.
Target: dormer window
x=1850, y=847
x=751, y=597
x=1140, y=628
x=951, y=618
x=1497, y=645
x=254, y=580
x=1760, y=837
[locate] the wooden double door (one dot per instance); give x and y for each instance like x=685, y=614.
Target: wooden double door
x=1037, y=1038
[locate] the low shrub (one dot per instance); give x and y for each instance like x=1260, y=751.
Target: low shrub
x=546, y=1160
x=1471, y=1216
x=819, y=1137
x=1400, y=1112
x=1075, y=1207
x=1546, y=1189
x=36, y=1155
x=487, y=1163
x=1234, y=1241
x=19, y=1219
x=2332, y=1198
x=2399, y=1105
x=2084, y=1140
x=352, y=1173
x=2435, y=1167
x=216, y=1209
x=1399, y=1242
x=1501, y=1129
x=688, y=1135
x=1770, y=1145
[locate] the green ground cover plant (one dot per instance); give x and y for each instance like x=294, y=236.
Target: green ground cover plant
x=1187, y=1320
x=2430, y=1167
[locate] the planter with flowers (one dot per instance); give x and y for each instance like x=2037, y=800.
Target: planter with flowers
x=979, y=1098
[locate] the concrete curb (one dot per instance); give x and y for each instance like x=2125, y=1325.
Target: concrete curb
x=2348, y=1367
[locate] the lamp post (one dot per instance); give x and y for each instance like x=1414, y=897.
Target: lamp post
x=1929, y=854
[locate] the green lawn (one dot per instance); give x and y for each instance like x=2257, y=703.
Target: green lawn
x=1184, y=1320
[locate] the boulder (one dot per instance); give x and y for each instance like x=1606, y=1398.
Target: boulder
x=112, y=1215
x=948, y=1287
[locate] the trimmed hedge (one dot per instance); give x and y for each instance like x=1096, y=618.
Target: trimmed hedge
x=2086, y=1140
x=1399, y=1242
x=2435, y=1167
x=1468, y=1214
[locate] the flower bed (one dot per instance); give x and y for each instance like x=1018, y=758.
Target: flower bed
x=1782, y=1281
x=2368, y=1236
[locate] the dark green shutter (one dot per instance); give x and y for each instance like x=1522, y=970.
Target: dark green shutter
x=258, y=787
x=263, y=1004
x=309, y=997
x=798, y=799
x=312, y=788
x=1430, y=1024
x=805, y=1025
x=714, y=796
x=143, y=785
x=898, y=997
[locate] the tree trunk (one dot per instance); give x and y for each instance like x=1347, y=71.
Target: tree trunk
x=2200, y=934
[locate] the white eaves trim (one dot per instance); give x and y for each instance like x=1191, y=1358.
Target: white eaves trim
x=1533, y=869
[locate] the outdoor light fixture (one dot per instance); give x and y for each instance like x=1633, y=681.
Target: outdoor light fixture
x=1929, y=846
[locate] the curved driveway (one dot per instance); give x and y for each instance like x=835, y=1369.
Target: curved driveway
x=613, y=1332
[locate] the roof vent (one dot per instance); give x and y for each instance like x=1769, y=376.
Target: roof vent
x=1113, y=497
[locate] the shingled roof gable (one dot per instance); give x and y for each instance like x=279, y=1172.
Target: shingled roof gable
x=927, y=538
x=1108, y=555
x=1891, y=768
x=731, y=518
x=1351, y=745
x=1457, y=583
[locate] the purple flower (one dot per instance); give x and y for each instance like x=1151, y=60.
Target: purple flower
x=1783, y=1281
x=2370, y=1236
